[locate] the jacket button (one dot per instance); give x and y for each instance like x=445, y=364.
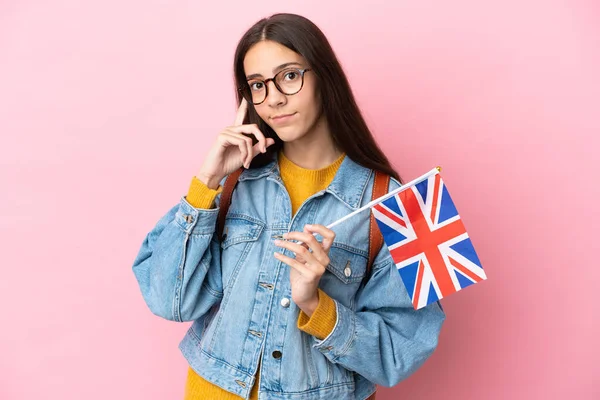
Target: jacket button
x=277, y=354
x=188, y=218
x=347, y=272
x=285, y=302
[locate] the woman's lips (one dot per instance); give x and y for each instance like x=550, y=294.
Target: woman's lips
x=283, y=118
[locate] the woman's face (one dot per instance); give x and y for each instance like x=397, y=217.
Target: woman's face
x=301, y=110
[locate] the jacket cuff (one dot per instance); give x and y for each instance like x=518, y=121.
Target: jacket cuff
x=201, y=196
x=321, y=323
x=343, y=335
x=197, y=221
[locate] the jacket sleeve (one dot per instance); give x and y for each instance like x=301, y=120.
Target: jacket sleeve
x=178, y=267
x=384, y=339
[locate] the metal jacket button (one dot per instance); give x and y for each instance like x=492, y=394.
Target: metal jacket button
x=277, y=354
x=285, y=302
x=347, y=270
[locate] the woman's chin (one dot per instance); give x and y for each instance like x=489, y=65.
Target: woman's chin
x=287, y=134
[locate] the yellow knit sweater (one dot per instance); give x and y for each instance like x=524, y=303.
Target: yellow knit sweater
x=300, y=184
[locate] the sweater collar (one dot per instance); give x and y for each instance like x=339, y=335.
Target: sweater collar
x=348, y=185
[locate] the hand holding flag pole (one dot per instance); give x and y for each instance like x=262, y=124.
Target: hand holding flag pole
x=426, y=238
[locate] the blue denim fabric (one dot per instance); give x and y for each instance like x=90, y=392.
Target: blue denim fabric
x=232, y=292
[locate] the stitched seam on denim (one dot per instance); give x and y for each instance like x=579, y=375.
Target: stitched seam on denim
x=207, y=233
x=240, y=239
x=236, y=269
x=383, y=264
x=237, y=215
x=312, y=368
x=351, y=249
x=248, y=175
x=256, y=231
x=329, y=364
x=224, y=362
x=215, y=293
x=348, y=343
x=366, y=185
x=193, y=333
x=316, y=390
x=176, y=306
x=247, y=335
x=218, y=322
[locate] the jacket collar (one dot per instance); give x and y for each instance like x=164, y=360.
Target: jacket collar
x=348, y=184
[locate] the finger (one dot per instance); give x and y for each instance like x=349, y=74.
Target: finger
x=312, y=243
x=241, y=142
x=249, y=149
x=304, y=244
x=257, y=149
x=302, y=253
x=252, y=129
x=298, y=266
x=241, y=113
x=328, y=234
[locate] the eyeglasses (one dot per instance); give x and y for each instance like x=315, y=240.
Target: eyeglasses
x=288, y=81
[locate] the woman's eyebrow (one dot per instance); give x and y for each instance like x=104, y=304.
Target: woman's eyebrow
x=274, y=69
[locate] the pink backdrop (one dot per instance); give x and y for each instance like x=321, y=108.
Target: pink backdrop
x=107, y=109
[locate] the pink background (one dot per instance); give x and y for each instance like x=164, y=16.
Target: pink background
x=107, y=109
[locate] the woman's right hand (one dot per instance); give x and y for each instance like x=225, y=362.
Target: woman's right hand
x=232, y=149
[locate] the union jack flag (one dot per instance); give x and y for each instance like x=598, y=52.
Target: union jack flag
x=428, y=241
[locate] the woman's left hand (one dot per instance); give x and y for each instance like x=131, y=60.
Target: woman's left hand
x=309, y=264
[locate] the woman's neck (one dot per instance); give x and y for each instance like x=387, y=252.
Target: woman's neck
x=314, y=150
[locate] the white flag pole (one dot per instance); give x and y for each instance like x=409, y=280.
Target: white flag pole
x=369, y=205
x=386, y=196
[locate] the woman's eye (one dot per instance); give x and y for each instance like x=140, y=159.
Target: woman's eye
x=256, y=86
x=290, y=76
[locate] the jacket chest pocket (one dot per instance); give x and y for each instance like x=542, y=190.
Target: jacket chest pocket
x=345, y=272
x=240, y=233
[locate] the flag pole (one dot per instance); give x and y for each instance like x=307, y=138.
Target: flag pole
x=386, y=196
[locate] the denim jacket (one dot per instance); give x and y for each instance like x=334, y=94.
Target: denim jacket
x=238, y=294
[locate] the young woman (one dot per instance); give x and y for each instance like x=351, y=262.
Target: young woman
x=298, y=318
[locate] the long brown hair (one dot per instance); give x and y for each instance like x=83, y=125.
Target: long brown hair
x=348, y=127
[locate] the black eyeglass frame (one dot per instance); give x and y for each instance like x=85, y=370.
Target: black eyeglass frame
x=245, y=89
